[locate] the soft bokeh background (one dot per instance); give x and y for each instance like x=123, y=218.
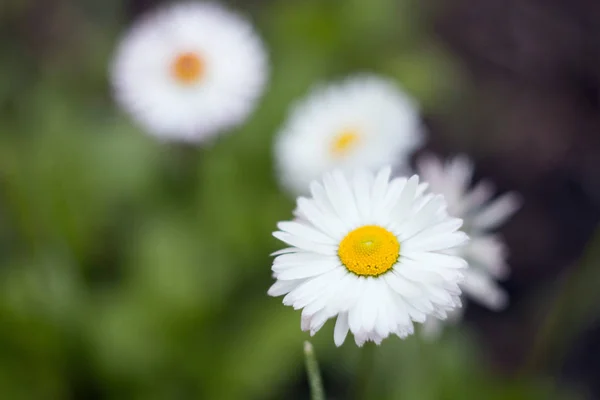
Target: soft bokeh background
x=135, y=270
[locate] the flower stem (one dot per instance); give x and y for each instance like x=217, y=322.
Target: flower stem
x=314, y=375
x=366, y=365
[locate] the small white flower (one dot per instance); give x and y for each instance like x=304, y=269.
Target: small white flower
x=187, y=71
x=363, y=122
x=485, y=252
x=372, y=252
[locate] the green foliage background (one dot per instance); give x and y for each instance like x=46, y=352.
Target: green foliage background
x=131, y=269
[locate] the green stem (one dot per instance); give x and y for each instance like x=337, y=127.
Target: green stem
x=314, y=375
x=366, y=365
x=182, y=169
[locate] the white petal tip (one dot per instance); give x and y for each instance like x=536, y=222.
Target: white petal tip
x=499, y=304
x=277, y=234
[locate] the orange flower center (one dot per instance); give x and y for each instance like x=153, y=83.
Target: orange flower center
x=344, y=141
x=188, y=68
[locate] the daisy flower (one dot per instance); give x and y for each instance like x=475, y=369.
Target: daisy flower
x=370, y=252
x=187, y=71
x=363, y=122
x=486, y=252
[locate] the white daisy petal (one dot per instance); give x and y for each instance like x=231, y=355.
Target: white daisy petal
x=449, y=275
x=317, y=321
x=327, y=223
x=497, y=212
x=300, y=257
x=422, y=304
x=355, y=319
x=360, y=338
x=460, y=171
x=280, y=288
x=483, y=289
x=383, y=208
x=362, y=187
x=415, y=315
x=320, y=197
x=383, y=323
x=347, y=204
x=369, y=308
x=402, y=208
x=423, y=218
x=401, y=285
x=309, y=289
x=305, y=232
x=304, y=244
x=414, y=231
x=327, y=301
x=432, y=171
x=402, y=316
x=437, y=260
x=437, y=242
x=440, y=314
x=478, y=196
x=288, y=250
x=380, y=185
x=341, y=329
x=346, y=261
x=306, y=271
x=314, y=260
x=346, y=294
x=422, y=188
x=457, y=300
x=488, y=252
x=421, y=276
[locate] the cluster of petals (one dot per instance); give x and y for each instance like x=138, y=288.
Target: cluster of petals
x=422, y=282
x=364, y=121
x=188, y=71
x=486, y=252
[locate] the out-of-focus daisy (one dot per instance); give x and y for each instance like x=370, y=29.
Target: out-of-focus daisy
x=187, y=71
x=371, y=252
x=362, y=122
x=486, y=252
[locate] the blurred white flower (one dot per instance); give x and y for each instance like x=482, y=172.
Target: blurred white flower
x=371, y=252
x=363, y=122
x=486, y=252
x=187, y=71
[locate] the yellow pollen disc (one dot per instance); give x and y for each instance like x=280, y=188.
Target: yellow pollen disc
x=188, y=68
x=344, y=141
x=369, y=250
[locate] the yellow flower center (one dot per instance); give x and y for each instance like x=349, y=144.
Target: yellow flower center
x=369, y=250
x=344, y=141
x=188, y=68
